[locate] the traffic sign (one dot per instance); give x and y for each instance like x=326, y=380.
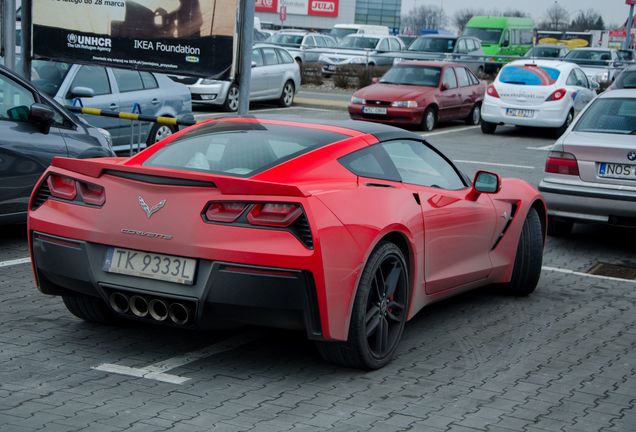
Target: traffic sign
x=283, y=13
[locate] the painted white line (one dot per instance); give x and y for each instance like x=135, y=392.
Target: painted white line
x=444, y=132
x=157, y=371
x=18, y=261
x=572, y=272
x=494, y=164
x=543, y=148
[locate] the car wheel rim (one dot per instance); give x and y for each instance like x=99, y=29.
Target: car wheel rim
x=233, y=97
x=386, y=306
x=568, y=120
x=288, y=94
x=430, y=121
x=476, y=114
x=162, y=132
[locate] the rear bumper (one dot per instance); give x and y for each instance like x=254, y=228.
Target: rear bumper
x=549, y=117
x=222, y=292
x=398, y=116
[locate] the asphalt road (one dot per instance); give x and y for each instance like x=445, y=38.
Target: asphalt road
x=563, y=359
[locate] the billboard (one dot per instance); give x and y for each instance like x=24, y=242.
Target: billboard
x=188, y=37
x=327, y=8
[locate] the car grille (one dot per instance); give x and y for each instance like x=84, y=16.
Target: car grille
x=184, y=80
x=301, y=229
x=378, y=103
x=43, y=194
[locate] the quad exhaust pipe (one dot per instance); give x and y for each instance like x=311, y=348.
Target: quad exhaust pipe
x=157, y=309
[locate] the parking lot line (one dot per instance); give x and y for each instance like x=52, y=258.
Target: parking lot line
x=157, y=371
x=494, y=164
x=444, y=132
x=13, y=262
x=572, y=272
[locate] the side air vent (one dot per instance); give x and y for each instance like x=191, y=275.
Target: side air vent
x=43, y=194
x=301, y=229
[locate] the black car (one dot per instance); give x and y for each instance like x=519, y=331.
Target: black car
x=34, y=129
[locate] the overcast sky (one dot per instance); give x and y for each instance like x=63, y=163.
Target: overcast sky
x=613, y=11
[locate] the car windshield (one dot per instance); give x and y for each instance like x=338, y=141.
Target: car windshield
x=589, y=57
x=429, y=44
x=238, y=149
x=487, y=36
x=546, y=52
x=626, y=55
x=358, y=42
x=412, y=75
x=626, y=80
x=339, y=33
x=47, y=76
x=609, y=115
x=529, y=75
x=286, y=39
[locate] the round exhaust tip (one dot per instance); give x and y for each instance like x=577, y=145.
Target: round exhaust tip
x=119, y=302
x=179, y=313
x=138, y=306
x=158, y=309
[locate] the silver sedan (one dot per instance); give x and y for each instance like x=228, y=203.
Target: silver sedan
x=275, y=76
x=591, y=170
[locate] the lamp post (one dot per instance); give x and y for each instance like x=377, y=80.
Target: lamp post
x=630, y=22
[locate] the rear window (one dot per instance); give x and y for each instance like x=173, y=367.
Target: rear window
x=627, y=79
x=239, y=149
x=529, y=75
x=610, y=115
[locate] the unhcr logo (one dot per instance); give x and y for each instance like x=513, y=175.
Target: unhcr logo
x=93, y=43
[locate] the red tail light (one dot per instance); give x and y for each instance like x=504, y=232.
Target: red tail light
x=492, y=91
x=274, y=214
x=62, y=187
x=226, y=212
x=562, y=163
x=92, y=194
x=557, y=95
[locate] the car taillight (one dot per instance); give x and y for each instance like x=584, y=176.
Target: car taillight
x=62, y=187
x=492, y=91
x=274, y=214
x=557, y=95
x=92, y=194
x=562, y=163
x=225, y=212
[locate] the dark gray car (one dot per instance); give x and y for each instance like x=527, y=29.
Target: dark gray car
x=463, y=49
x=33, y=130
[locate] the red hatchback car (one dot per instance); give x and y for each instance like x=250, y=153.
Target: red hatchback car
x=421, y=93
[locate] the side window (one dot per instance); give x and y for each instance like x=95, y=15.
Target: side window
x=395, y=45
x=505, y=41
x=16, y=100
x=257, y=57
x=128, y=80
x=473, y=79
x=149, y=80
x=309, y=42
x=321, y=42
x=284, y=56
x=93, y=77
x=572, y=79
x=582, y=79
x=462, y=48
x=526, y=37
x=330, y=42
x=383, y=45
x=269, y=56
x=449, y=78
x=419, y=164
x=462, y=77
x=372, y=162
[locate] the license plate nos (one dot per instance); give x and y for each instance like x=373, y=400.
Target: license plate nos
x=519, y=113
x=619, y=171
x=150, y=265
x=373, y=110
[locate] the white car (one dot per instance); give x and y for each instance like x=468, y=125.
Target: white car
x=542, y=93
x=275, y=76
x=591, y=170
x=599, y=64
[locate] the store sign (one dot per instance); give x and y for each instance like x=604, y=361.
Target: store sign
x=323, y=8
x=267, y=6
x=327, y=8
x=169, y=36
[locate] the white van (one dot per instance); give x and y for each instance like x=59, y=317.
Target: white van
x=341, y=30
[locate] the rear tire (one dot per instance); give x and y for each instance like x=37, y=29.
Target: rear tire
x=487, y=127
x=558, y=227
x=91, y=309
x=231, y=99
x=379, y=313
x=474, y=117
x=429, y=119
x=529, y=259
x=287, y=95
x=158, y=132
x=566, y=124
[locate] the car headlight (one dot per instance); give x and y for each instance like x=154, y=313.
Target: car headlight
x=106, y=134
x=322, y=58
x=207, y=81
x=404, y=104
x=358, y=100
x=358, y=60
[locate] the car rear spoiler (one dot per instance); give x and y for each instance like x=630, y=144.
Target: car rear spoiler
x=227, y=185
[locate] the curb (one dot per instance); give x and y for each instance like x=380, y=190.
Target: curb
x=321, y=103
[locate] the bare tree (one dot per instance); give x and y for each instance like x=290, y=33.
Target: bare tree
x=423, y=17
x=462, y=16
x=556, y=18
x=515, y=13
x=587, y=20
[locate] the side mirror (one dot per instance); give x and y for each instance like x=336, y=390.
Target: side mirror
x=445, y=86
x=618, y=64
x=485, y=182
x=253, y=64
x=594, y=85
x=82, y=92
x=42, y=115
x=375, y=80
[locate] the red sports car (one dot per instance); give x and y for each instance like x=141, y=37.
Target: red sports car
x=421, y=93
x=345, y=230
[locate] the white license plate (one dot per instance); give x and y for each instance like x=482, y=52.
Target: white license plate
x=522, y=113
x=150, y=265
x=619, y=171
x=373, y=110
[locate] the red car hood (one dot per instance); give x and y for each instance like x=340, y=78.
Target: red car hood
x=394, y=92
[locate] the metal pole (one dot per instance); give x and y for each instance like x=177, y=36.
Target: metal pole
x=630, y=22
x=246, y=37
x=27, y=28
x=8, y=23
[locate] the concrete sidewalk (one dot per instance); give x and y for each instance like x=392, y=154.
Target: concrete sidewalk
x=323, y=98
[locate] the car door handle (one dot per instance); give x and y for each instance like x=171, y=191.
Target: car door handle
x=155, y=101
x=113, y=107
